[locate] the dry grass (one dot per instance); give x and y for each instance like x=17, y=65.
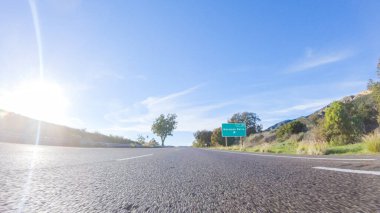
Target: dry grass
x=312, y=147
x=372, y=142
x=265, y=147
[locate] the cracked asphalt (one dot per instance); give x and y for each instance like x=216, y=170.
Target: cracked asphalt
x=64, y=179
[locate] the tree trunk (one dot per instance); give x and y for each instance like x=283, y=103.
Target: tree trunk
x=162, y=142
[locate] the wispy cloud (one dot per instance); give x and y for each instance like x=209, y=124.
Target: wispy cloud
x=308, y=106
x=157, y=100
x=311, y=60
x=191, y=116
x=303, y=108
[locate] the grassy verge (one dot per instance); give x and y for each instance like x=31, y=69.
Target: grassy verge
x=372, y=142
x=293, y=147
x=357, y=148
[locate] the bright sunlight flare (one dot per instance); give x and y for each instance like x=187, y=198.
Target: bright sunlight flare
x=40, y=99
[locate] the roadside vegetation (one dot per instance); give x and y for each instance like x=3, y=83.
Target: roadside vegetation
x=145, y=142
x=347, y=126
x=16, y=128
x=372, y=142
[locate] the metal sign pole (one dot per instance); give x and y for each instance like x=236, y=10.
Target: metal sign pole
x=241, y=144
x=226, y=141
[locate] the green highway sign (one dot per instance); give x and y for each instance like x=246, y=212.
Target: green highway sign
x=234, y=130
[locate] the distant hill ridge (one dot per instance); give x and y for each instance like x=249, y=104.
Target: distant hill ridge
x=16, y=128
x=277, y=125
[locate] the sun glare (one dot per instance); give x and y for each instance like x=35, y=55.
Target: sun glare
x=41, y=100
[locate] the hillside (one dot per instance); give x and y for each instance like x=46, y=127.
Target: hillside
x=363, y=99
x=16, y=128
x=277, y=125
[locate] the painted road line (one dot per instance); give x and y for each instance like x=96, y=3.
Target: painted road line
x=121, y=159
x=299, y=157
x=348, y=170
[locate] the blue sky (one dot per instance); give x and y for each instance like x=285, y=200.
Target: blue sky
x=119, y=64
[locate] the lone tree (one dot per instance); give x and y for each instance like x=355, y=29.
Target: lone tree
x=164, y=126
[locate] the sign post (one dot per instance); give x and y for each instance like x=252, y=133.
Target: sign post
x=234, y=130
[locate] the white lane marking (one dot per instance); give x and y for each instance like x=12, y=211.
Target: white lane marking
x=348, y=170
x=134, y=157
x=298, y=157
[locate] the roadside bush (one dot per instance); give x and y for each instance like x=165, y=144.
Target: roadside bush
x=312, y=148
x=203, y=138
x=315, y=134
x=270, y=138
x=153, y=143
x=339, y=126
x=218, y=140
x=253, y=138
x=364, y=111
x=197, y=144
x=372, y=142
x=297, y=137
x=286, y=130
x=315, y=118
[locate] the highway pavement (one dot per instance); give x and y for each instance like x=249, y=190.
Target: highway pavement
x=67, y=179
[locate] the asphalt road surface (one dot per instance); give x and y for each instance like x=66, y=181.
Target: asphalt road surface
x=63, y=179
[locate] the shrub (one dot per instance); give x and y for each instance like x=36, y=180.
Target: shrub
x=297, y=137
x=197, y=144
x=372, y=142
x=294, y=127
x=315, y=118
x=217, y=139
x=203, y=138
x=312, y=147
x=253, y=138
x=365, y=113
x=339, y=126
x=315, y=134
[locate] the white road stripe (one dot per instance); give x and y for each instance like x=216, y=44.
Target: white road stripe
x=349, y=170
x=134, y=157
x=299, y=157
